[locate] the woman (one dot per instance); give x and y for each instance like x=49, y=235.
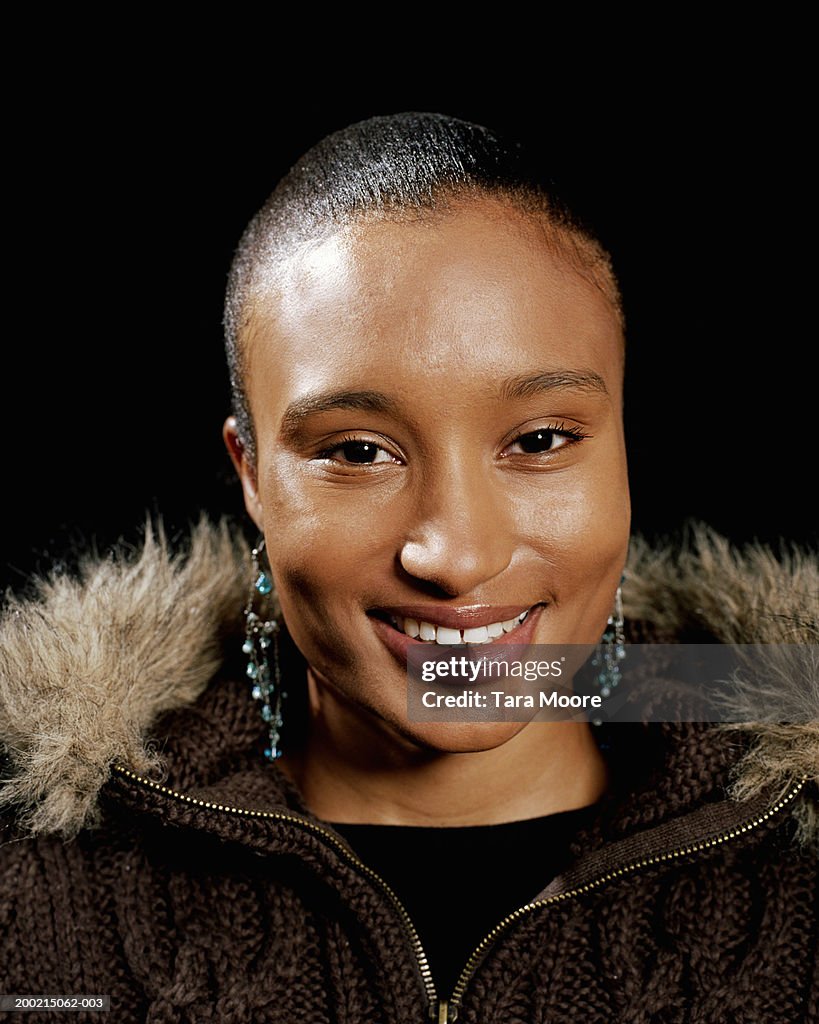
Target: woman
x=217, y=805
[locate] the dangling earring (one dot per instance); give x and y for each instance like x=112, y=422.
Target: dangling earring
x=260, y=635
x=612, y=648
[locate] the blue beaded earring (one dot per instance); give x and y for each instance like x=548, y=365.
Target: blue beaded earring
x=260, y=635
x=611, y=650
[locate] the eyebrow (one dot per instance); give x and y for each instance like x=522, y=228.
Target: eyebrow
x=298, y=411
x=554, y=380
x=376, y=401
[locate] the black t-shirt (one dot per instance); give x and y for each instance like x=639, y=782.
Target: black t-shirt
x=458, y=883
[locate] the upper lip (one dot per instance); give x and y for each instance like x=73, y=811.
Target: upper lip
x=466, y=617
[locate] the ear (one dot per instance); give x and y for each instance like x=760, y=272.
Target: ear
x=245, y=469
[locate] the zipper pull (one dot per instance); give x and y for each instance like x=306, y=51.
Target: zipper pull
x=443, y=1016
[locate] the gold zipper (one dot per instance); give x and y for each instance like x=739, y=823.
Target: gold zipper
x=349, y=854
x=477, y=955
x=445, y=1011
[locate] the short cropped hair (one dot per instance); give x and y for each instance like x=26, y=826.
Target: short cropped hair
x=391, y=167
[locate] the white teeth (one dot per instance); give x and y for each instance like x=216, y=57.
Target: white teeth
x=448, y=636
x=429, y=632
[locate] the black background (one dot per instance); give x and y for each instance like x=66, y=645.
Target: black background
x=133, y=187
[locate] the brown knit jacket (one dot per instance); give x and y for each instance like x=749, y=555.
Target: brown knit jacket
x=150, y=853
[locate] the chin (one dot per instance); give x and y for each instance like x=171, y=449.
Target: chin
x=460, y=737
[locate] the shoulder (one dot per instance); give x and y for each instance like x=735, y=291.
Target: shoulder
x=703, y=589
x=92, y=658
x=703, y=586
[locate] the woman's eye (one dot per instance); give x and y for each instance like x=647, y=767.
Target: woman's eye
x=539, y=441
x=358, y=453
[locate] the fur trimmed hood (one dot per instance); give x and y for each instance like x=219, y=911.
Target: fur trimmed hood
x=90, y=662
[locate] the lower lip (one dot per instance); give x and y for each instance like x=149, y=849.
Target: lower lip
x=399, y=643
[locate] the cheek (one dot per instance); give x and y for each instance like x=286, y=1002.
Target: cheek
x=326, y=543
x=320, y=530
x=578, y=523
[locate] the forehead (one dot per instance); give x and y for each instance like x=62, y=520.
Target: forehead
x=466, y=288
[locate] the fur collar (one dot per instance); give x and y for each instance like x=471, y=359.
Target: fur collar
x=90, y=662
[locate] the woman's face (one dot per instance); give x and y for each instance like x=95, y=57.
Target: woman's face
x=437, y=408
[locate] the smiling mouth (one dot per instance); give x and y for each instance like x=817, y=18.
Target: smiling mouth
x=431, y=633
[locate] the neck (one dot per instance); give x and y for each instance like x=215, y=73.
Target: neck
x=355, y=769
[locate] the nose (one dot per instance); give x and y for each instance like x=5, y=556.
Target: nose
x=462, y=532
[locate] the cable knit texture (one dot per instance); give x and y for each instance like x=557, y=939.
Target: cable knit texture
x=150, y=853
